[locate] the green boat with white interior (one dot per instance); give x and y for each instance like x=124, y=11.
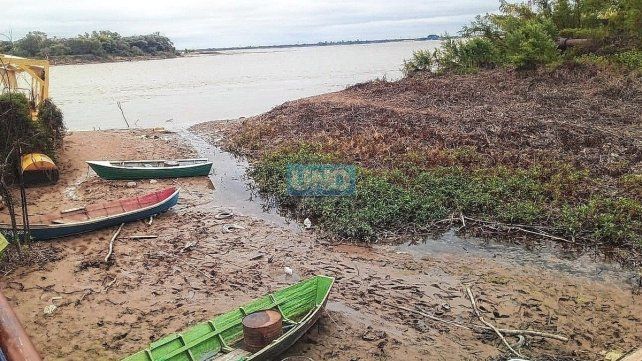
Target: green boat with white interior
x=150, y=169
x=222, y=338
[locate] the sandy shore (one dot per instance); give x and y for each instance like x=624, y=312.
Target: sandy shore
x=194, y=271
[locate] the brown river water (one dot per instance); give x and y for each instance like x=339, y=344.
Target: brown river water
x=177, y=93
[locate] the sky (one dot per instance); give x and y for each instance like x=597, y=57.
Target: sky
x=225, y=23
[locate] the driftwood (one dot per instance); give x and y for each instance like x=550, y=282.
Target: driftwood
x=519, y=227
x=142, y=236
x=490, y=325
x=111, y=242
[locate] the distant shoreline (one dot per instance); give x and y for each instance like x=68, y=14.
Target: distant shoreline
x=91, y=59
x=305, y=45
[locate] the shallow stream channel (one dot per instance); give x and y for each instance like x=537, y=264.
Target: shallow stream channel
x=235, y=190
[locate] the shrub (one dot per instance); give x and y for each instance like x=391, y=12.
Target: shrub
x=50, y=117
x=532, y=44
x=465, y=56
x=421, y=61
x=630, y=59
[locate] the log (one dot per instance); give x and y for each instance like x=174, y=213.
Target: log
x=14, y=341
x=565, y=43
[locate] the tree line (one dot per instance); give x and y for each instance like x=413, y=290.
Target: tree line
x=37, y=44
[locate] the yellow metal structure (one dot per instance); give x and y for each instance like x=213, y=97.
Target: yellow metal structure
x=38, y=169
x=37, y=161
x=38, y=70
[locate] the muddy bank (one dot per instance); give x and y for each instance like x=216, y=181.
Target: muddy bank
x=194, y=270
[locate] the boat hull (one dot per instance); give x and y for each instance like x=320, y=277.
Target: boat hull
x=301, y=305
x=45, y=232
x=123, y=173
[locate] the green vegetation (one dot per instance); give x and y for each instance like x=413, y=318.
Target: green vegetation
x=525, y=37
x=410, y=198
x=37, y=44
x=51, y=120
x=20, y=133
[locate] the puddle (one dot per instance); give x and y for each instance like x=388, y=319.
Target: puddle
x=546, y=256
x=232, y=188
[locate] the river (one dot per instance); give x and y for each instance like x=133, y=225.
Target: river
x=177, y=93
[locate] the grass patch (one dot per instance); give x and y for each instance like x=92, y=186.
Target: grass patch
x=406, y=199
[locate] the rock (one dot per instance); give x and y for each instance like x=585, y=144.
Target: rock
x=153, y=181
x=307, y=223
x=131, y=184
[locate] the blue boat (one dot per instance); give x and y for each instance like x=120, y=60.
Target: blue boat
x=90, y=218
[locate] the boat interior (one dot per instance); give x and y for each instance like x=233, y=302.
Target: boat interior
x=158, y=163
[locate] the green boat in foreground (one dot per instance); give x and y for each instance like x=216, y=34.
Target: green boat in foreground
x=221, y=338
x=150, y=169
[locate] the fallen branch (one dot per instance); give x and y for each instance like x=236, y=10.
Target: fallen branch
x=111, y=242
x=142, y=236
x=481, y=318
x=519, y=227
x=505, y=331
x=109, y=285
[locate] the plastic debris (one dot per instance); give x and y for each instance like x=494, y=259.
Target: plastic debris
x=224, y=215
x=307, y=223
x=229, y=228
x=49, y=309
x=131, y=184
x=288, y=271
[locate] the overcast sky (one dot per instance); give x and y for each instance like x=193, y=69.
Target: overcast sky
x=222, y=23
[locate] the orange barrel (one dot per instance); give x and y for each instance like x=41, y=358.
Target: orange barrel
x=261, y=328
x=13, y=339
